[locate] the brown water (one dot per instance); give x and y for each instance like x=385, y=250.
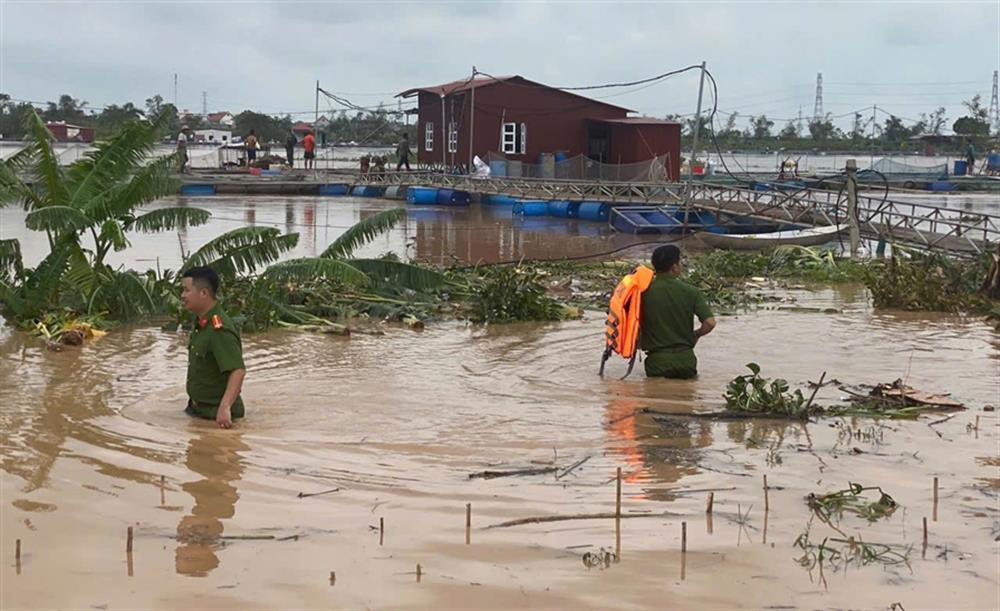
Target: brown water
x=432, y=234
x=397, y=422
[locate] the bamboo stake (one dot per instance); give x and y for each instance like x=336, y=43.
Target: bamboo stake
x=711, y=502
x=419, y=572
x=767, y=504
x=935, y=499
x=17, y=550
x=618, y=539
x=925, y=531
x=128, y=540
x=163, y=496
x=684, y=545
x=333, y=578
x=468, y=523
x=618, y=495
x=381, y=530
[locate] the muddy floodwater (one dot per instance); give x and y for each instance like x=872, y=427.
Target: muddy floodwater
x=345, y=434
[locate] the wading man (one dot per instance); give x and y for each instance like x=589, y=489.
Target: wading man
x=215, y=352
x=669, y=307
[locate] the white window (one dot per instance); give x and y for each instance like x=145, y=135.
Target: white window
x=514, y=138
x=452, y=137
x=429, y=136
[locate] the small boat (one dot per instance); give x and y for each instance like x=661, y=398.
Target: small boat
x=762, y=241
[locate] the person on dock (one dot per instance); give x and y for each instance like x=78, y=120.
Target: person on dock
x=215, y=352
x=309, y=146
x=403, y=152
x=970, y=158
x=182, y=149
x=251, y=144
x=669, y=307
x=290, y=143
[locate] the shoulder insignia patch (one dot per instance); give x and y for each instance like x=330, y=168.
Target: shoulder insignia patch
x=216, y=321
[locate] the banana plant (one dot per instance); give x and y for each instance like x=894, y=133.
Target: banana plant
x=87, y=211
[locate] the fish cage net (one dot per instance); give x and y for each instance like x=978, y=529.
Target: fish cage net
x=581, y=167
x=892, y=166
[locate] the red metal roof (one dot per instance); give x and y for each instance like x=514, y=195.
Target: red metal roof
x=479, y=82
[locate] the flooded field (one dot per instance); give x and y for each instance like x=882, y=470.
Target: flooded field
x=343, y=434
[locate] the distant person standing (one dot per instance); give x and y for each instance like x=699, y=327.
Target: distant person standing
x=182, y=148
x=970, y=158
x=403, y=152
x=251, y=145
x=309, y=146
x=290, y=143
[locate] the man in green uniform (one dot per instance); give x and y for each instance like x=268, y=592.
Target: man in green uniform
x=669, y=307
x=215, y=352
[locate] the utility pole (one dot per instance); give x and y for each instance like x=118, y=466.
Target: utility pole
x=852, y=206
x=315, y=122
x=694, y=141
x=175, y=90
x=204, y=105
x=995, y=106
x=871, y=163
x=444, y=138
x=472, y=117
x=798, y=127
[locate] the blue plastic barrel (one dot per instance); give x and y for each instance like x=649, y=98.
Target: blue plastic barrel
x=561, y=156
x=500, y=200
x=531, y=208
x=333, y=189
x=941, y=185
x=197, y=190
x=993, y=161
x=421, y=196
x=498, y=167
x=961, y=167
x=564, y=209
x=358, y=191
x=451, y=197
x=394, y=192
x=594, y=211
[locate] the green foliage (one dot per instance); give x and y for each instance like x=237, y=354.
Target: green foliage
x=921, y=281
x=96, y=197
x=242, y=251
x=363, y=232
x=759, y=395
x=832, y=506
x=507, y=293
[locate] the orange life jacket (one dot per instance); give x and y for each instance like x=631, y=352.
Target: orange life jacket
x=624, y=317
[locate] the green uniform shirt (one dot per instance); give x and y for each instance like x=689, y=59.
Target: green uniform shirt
x=212, y=355
x=669, y=306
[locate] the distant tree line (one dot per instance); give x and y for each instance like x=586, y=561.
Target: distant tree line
x=381, y=127
x=377, y=127
x=891, y=135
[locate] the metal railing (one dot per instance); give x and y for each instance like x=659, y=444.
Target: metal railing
x=917, y=225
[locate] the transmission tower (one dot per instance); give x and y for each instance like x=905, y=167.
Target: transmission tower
x=818, y=108
x=995, y=106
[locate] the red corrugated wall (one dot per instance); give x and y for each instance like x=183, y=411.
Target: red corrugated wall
x=556, y=121
x=632, y=143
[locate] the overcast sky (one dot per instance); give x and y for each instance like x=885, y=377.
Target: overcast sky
x=906, y=57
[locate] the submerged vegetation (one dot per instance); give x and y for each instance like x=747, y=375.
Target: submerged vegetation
x=756, y=394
